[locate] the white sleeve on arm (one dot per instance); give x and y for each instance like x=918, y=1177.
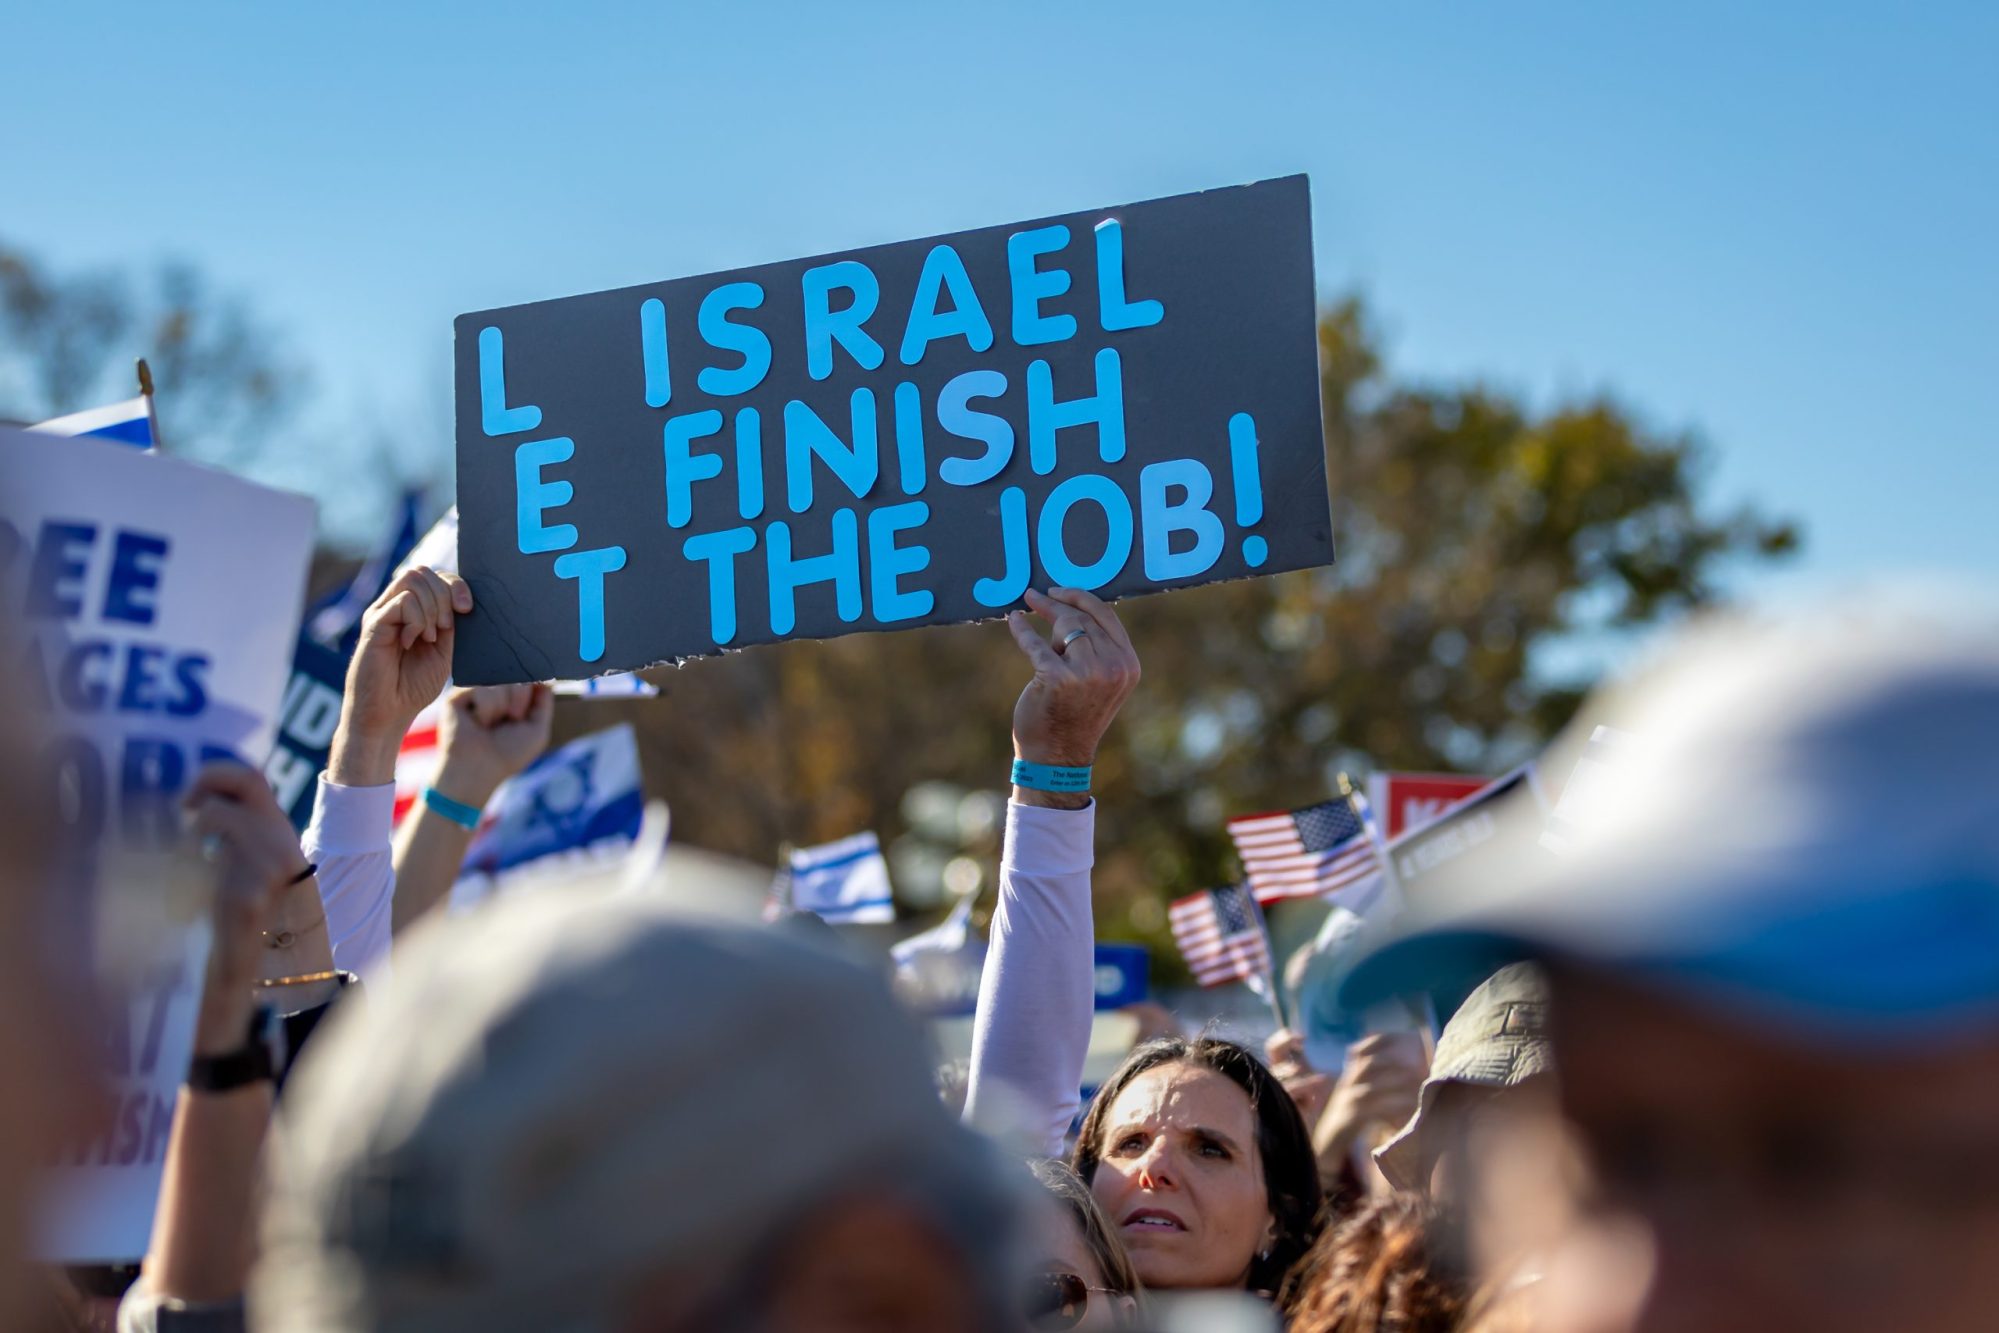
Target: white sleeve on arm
x=349, y=840
x=1038, y=994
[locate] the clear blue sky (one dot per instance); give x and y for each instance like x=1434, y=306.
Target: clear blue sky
x=1775, y=227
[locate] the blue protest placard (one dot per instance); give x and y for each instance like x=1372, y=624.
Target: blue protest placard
x=1122, y=400
x=307, y=717
x=1123, y=975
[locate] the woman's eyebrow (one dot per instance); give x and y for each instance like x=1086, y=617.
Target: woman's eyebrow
x=1203, y=1131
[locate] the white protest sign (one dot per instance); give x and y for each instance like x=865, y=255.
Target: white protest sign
x=158, y=602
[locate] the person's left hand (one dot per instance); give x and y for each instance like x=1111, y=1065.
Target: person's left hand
x=1284, y=1052
x=487, y=735
x=232, y=810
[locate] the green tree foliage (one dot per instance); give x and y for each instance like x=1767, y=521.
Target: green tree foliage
x=1472, y=532
x=68, y=341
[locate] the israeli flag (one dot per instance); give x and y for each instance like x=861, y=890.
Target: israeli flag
x=129, y=422
x=937, y=971
x=1589, y=790
x=585, y=799
x=844, y=882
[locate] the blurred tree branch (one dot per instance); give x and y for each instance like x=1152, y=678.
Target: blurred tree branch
x=68, y=341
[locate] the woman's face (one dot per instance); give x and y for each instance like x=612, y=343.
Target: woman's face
x=1066, y=1250
x=1180, y=1177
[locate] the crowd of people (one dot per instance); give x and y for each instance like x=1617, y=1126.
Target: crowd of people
x=1731, y=1063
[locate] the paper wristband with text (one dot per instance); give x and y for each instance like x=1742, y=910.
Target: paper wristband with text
x=459, y=813
x=1050, y=777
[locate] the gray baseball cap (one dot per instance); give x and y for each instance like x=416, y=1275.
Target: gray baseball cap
x=558, y=1097
x=1808, y=837
x=1498, y=1038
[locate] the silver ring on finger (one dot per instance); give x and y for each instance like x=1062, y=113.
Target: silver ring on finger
x=1073, y=635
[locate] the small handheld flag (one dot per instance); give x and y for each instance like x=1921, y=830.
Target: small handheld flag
x=584, y=797
x=844, y=882
x=1221, y=935
x=129, y=422
x=1584, y=795
x=1305, y=853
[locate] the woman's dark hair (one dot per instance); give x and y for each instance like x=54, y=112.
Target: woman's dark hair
x=1290, y=1168
x=1382, y=1268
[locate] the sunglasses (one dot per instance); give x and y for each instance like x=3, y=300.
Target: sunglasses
x=1058, y=1300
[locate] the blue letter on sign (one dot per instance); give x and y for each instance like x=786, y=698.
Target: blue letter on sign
x=1117, y=545
x=887, y=562
x=1012, y=582
x=966, y=319
x=494, y=414
x=955, y=414
x=684, y=467
x=1161, y=520
x=533, y=496
x=1045, y=416
x=723, y=336
x=1031, y=286
x=805, y=435
x=720, y=550
x=841, y=567
x=1113, y=311
x=825, y=326
x=588, y=568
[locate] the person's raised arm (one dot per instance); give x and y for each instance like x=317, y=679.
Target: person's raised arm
x=264, y=929
x=485, y=736
x=1037, y=996
x=402, y=663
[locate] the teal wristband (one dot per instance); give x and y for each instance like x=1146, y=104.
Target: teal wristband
x=459, y=813
x=1050, y=777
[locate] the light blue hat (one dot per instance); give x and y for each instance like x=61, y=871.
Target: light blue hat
x=1808, y=835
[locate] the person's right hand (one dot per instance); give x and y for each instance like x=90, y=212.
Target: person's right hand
x=1380, y=1085
x=487, y=735
x=231, y=808
x=401, y=665
x=1083, y=673
x=1284, y=1052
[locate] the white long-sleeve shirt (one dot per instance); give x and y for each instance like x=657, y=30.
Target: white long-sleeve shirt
x=1037, y=996
x=349, y=840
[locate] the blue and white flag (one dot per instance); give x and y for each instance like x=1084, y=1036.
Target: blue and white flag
x=336, y=620
x=617, y=685
x=937, y=971
x=584, y=799
x=844, y=882
x=1587, y=791
x=129, y=422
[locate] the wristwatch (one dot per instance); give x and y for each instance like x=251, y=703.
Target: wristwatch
x=256, y=1060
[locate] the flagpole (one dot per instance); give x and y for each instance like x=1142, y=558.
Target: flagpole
x=1391, y=882
x=145, y=373
x=1265, y=982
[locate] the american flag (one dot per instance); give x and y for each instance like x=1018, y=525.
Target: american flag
x=1305, y=853
x=1220, y=934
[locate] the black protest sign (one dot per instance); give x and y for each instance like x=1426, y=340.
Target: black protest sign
x=307, y=717
x=1121, y=400
x=1493, y=831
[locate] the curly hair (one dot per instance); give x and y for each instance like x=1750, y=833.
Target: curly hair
x=1381, y=1269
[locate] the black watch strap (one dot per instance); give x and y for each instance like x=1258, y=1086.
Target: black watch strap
x=252, y=1062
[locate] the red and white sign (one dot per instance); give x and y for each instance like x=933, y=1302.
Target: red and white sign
x=1411, y=800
